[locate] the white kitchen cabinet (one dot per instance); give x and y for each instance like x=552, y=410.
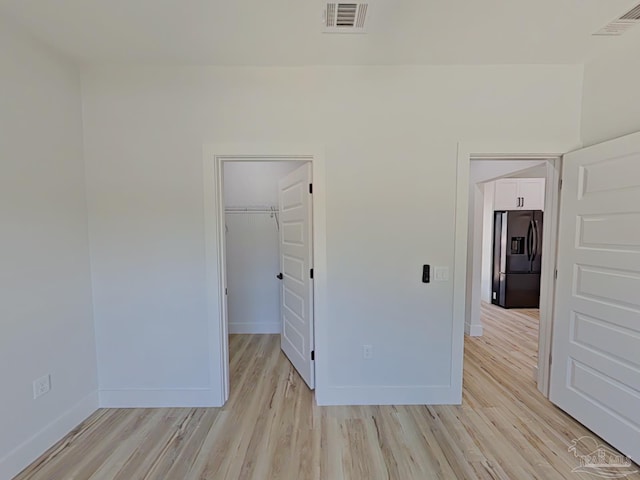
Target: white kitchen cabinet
x=519, y=194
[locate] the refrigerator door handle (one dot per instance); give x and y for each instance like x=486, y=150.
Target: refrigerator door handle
x=536, y=240
x=530, y=241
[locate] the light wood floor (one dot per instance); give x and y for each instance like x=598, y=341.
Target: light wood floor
x=271, y=429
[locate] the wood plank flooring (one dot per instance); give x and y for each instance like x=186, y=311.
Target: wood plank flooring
x=271, y=429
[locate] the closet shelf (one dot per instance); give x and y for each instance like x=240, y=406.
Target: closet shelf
x=261, y=209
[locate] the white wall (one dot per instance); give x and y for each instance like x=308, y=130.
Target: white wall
x=539, y=171
x=254, y=183
x=390, y=136
x=252, y=241
x=611, y=95
x=480, y=172
x=46, y=324
x=253, y=299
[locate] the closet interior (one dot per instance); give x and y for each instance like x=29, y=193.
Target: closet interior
x=252, y=224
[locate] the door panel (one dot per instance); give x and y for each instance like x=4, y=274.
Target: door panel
x=296, y=255
x=506, y=195
x=532, y=192
x=611, y=231
x=595, y=374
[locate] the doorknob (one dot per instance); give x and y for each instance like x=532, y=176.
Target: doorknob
x=279, y=276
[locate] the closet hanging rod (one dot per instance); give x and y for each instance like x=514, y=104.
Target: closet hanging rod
x=251, y=210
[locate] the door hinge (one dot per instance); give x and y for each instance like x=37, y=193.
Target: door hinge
x=225, y=291
x=313, y=354
x=556, y=274
x=311, y=273
x=311, y=188
x=560, y=184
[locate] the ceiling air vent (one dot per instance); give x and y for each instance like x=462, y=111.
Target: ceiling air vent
x=345, y=17
x=622, y=24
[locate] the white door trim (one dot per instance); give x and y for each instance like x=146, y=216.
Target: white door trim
x=214, y=156
x=508, y=151
x=547, y=276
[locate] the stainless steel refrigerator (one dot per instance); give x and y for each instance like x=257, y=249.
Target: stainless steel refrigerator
x=517, y=258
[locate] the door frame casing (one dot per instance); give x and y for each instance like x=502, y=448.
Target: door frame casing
x=467, y=152
x=215, y=254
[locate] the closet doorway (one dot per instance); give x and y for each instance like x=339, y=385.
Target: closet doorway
x=268, y=252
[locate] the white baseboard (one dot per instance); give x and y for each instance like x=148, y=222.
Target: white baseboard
x=23, y=455
x=473, y=330
x=254, y=327
x=149, y=398
x=409, y=395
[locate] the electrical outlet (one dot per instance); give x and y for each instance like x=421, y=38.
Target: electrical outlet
x=41, y=386
x=367, y=352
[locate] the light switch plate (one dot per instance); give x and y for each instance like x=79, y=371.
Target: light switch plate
x=440, y=274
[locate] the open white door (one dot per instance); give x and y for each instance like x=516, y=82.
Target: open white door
x=296, y=253
x=595, y=373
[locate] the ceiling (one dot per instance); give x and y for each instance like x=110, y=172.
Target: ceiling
x=288, y=32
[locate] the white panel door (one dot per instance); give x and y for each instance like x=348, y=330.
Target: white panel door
x=296, y=253
x=595, y=373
